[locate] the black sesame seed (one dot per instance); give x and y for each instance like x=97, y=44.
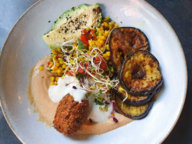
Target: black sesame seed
x=93, y=9
x=84, y=64
x=54, y=21
x=67, y=53
x=47, y=35
x=97, y=20
x=49, y=21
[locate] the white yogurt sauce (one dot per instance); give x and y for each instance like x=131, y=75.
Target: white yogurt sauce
x=96, y=114
x=64, y=87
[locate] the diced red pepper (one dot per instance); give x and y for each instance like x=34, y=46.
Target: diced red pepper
x=58, y=57
x=48, y=63
x=103, y=64
x=69, y=73
x=86, y=36
x=80, y=70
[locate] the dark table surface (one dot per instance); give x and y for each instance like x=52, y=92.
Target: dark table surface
x=177, y=12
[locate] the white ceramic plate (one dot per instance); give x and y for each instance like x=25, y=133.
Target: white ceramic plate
x=25, y=46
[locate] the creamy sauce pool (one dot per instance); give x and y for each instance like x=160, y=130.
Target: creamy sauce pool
x=39, y=98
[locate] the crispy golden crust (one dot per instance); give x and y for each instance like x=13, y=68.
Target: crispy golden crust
x=70, y=115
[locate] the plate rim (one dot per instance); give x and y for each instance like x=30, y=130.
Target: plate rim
x=165, y=135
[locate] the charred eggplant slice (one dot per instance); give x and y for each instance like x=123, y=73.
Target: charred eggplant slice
x=141, y=75
x=124, y=41
x=133, y=112
x=131, y=99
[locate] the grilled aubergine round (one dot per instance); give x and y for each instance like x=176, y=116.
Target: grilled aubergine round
x=131, y=99
x=123, y=41
x=141, y=75
x=133, y=112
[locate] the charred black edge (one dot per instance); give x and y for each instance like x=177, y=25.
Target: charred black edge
x=148, y=49
x=143, y=115
x=134, y=103
x=150, y=92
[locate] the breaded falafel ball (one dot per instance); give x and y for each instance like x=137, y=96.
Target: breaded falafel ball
x=70, y=115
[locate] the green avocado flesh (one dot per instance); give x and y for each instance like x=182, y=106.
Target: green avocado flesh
x=70, y=24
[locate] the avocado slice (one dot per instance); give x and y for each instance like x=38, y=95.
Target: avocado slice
x=70, y=24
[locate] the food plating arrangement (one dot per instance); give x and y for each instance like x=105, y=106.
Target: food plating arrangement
x=98, y=76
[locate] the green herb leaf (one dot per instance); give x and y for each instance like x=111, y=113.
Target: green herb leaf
x=79, y=75
x=80, y=45
x=110, y=70
x=100, y=92
x=92, y=68
x=49, y=70
x=90, y=120
x=97, y=34
x=97, y=102
x=110, y=87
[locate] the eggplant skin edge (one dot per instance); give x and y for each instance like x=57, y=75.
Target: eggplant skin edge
x=139, y=117
x=135, y=103
x=111, y=56
x=150, y=92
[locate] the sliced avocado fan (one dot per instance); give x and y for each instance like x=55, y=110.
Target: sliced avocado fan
x=70, y=24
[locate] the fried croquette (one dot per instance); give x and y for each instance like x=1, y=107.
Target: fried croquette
x=70, y=115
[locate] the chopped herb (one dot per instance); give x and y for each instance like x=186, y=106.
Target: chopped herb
x=100, y=92
x=90, y=120
x=92, y=68
x=97, y=102
x=49, y=70
x=110, y=87
x=97, y=34
x=79, y=75
x=80, y=45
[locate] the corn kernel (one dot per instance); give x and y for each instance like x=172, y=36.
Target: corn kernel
x=87, y=29
x=102, y=49
x=113, y=114
x=41, y=68
x=105, y=24
x=54, y=51
x=55, y=83
x=107, y=18
x=93, y=87
x=57, y=78
x=64, y=66
x=107, y=47
x=108, y=53
x=57, y=64
x=116, y=25
x=105, y=108
x=61, y=62
x=75, y=44
x=103, y=38
x=107, y=58
x=52, y=83
x=60, y=59
x=59, y=71
x=100, y=108
x=52, y=78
